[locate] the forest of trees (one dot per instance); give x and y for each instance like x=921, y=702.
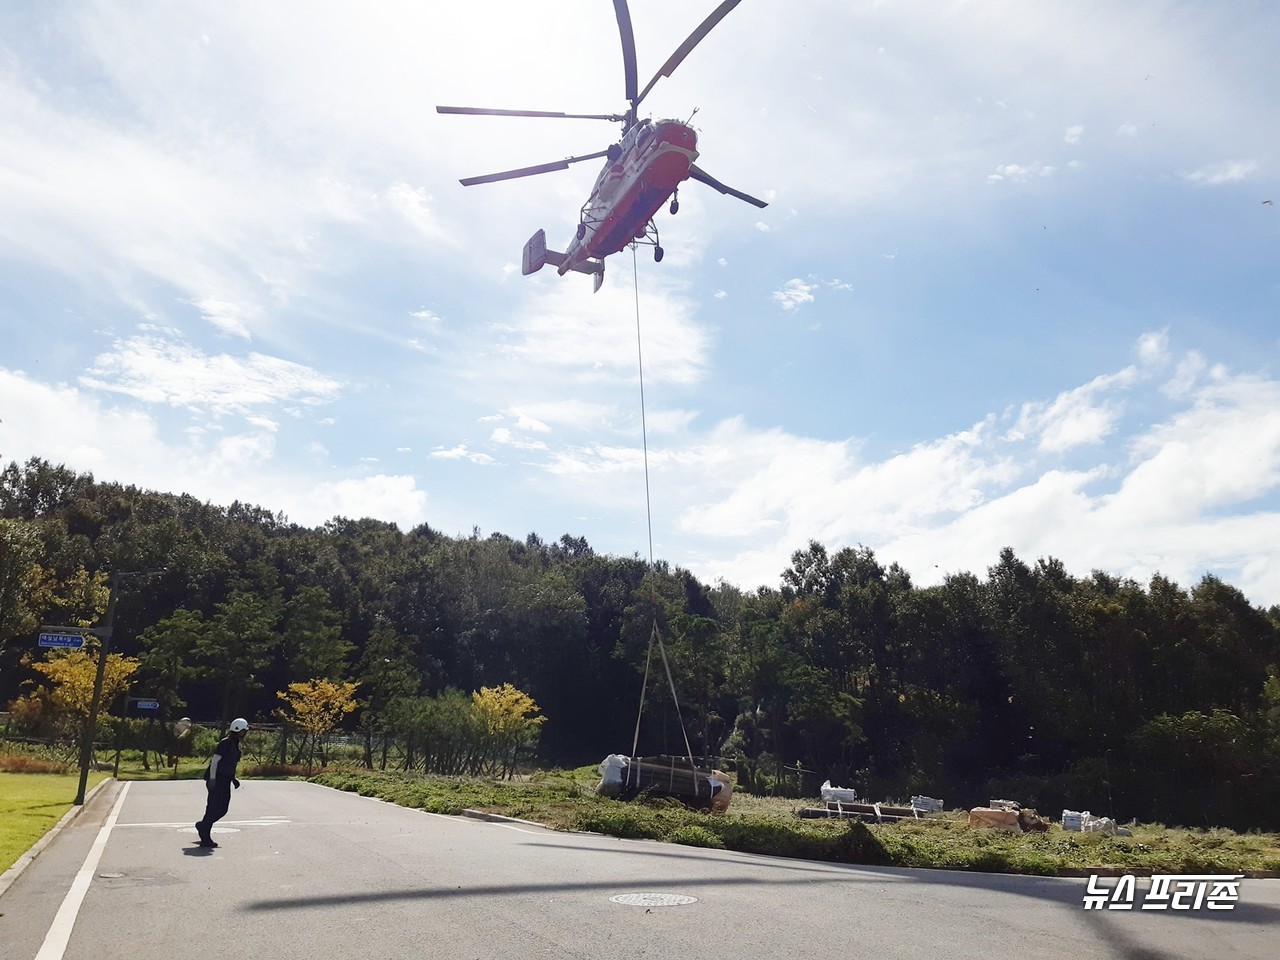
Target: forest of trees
x=1153, y=701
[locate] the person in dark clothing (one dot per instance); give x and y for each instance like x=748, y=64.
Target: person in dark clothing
x=220, y=778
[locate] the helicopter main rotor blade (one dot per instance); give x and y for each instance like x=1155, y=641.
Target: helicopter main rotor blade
x=684, y=49
x=628, y=47
x=530, y=171
x=487, y=112
x=697, y=173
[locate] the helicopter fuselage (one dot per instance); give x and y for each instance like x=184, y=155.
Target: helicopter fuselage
x=653, y=159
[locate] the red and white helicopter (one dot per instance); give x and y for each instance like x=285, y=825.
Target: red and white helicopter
x=642, y=170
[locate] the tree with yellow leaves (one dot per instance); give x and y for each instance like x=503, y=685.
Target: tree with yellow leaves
x=511, y=721
x=316, y=707
x=72, y=675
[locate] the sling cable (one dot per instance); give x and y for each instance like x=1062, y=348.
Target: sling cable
x=669, y=776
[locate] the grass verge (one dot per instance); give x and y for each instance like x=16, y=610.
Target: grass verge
x=30, y=804
x=564, y=800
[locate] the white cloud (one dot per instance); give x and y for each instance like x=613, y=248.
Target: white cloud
x=229, y=317
x=1228, y=171
x=794, y=293
x=386, y=497
x=428, y=318
x=1019, y=173
x=460, y=452
x=175, y=373
x=1073, y=418
x=1163, y=499
x=414, y=205
x=560, y=333
x=575, y=414
x=1074, y=133
x=1153, y=348
x=504, y=436
x=66, y=425
x=1184, y=379
x=953, y=504
x=524, y=421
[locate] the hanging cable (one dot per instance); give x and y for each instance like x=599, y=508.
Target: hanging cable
x=644, y=688
x=662, y=649
x=644, y=427
x=654, y=633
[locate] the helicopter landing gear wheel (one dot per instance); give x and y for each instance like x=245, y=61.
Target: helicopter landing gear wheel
x=675, y=206
x=582, y=230
x=657, y=254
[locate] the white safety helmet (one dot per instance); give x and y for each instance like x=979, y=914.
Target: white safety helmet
x=239, y=725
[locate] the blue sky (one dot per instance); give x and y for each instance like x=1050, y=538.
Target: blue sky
x=1016, y=284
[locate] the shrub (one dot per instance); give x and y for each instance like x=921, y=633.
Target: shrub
x=21, y=763
x=275, y=770
x=620, y=820
x=692, y=835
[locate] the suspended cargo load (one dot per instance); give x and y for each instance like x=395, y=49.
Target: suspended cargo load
x=701, y=788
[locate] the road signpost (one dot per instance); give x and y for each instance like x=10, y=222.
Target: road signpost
x=62, y=641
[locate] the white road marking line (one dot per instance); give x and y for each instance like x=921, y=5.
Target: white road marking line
x=186, y=824
x=55, y=941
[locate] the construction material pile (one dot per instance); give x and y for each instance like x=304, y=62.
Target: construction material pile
x=1007, y=815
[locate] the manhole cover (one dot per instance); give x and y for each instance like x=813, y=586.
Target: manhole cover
x=653, y=899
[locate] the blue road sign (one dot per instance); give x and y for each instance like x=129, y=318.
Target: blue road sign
x=67, y=641
x=146, y=704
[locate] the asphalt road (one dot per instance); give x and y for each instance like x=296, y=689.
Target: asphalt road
x=308, y=872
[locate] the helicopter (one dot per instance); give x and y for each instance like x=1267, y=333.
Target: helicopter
x=641, y=171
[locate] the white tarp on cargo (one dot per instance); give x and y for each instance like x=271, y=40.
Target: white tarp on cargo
x=832, y=794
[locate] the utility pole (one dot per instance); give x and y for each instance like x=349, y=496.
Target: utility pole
x=86, y=742
x=103, y=632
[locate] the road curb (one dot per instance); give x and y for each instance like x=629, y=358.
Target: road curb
x=499, y=818
x=9, y=876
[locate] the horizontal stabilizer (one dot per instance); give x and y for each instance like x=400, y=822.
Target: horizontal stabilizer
x=536, y=254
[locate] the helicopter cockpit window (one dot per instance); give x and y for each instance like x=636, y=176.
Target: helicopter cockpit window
x=644, y=132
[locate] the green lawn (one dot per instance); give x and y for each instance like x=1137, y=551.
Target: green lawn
x=769, y=825
x=31, y=803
